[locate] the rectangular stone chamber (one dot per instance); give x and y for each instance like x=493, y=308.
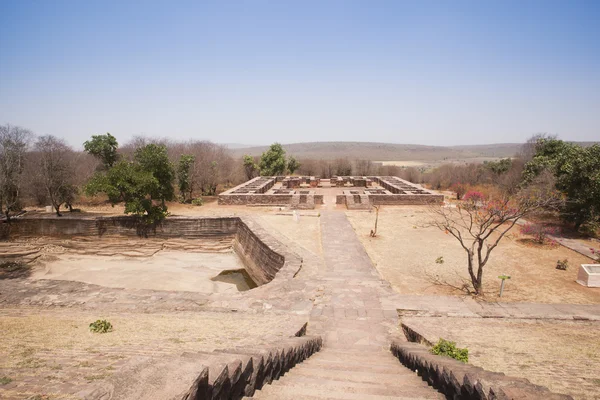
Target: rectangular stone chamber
x=589, y=275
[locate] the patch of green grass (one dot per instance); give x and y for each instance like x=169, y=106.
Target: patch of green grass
x=5, y=380
x=101, y=326
x=91, y=378
x=32, y=363
x=447, y=348
x=28, y=352
x=175, y=340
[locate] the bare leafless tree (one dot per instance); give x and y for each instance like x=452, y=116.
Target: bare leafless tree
x=479, y=224
x=55, y=162
x=14, y=142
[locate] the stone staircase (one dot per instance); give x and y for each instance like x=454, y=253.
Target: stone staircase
x=335, y=373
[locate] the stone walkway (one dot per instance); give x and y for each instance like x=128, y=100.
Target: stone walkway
x=355, y=362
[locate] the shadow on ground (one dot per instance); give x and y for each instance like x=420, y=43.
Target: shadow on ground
x=14, y=270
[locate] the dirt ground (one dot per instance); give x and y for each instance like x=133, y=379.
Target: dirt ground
x=562, y=355
x=165, y=270
x=405, y=253
x=52, y=351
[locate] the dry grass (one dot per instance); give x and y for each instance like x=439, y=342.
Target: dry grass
x=562, y=355
x=405, y=253
x=52, y=353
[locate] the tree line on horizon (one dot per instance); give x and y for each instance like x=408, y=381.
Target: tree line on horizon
x=146, y=173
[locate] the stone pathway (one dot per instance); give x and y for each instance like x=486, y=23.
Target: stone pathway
x=355, y=362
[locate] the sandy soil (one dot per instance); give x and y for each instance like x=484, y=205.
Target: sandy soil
x=405, y=253
x=166, y=270
x=52, y=352
x=562, y=355
x=305, y=231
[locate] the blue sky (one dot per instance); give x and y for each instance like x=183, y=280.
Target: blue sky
x=254, y=72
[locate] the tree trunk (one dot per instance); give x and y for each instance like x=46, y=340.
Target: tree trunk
x=474, y=280
x=57, y=208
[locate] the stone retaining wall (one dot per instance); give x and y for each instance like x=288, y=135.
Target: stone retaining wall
x=250, y=369
x=458, y=380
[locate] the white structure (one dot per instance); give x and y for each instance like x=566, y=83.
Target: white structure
x=589, y=275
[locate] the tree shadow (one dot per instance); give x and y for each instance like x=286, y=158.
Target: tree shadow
x=14, y=270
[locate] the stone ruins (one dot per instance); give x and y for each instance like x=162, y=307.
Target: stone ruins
x=305, y=192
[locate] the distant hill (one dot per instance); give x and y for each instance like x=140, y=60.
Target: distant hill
x=385, y=151
x=391, y=152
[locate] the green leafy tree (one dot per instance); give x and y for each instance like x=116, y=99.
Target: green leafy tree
x=139, y=184
x=154, y=159
x=499, y=167
x=250, y=167
x=293, y=164
x=184, y=177
x=272, y=161
x=576, y=170
x=103, y=147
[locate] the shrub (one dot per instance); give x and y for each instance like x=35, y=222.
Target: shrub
x=101, y=326
x=5, y=380
x=539, y=232
x=596, y=254
x=449, y=349
x=473, y=196
x=198, y=202
x=590, y=229
x=460, y=189
x=439, y=260
x=562, y=265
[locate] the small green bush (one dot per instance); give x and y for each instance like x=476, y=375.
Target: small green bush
x=5, y=380
x=198, y=202
x=439, y=260
x=449, y=349
x=101, y=326
x=562, y=265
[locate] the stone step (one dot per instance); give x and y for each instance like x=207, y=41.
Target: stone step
x=273, y=392
x=418, y=388
x=374, y=366
x=380, y=378
x=360, y=356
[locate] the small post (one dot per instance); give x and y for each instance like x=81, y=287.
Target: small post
x=503, y=278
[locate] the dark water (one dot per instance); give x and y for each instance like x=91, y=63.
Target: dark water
x=238, y=277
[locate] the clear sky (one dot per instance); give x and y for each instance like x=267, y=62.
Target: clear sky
x=254, y=72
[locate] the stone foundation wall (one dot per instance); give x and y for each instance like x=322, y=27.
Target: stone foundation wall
x=458, y=380
x=405, y=199
x=397, y=199
x=255, y=199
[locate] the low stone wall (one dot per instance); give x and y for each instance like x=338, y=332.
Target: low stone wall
x=397, y=199
x=263, y=255
x=250, y=369
x=458, y=380
x=405, y=199
x=255, y=199
x=123, y=226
